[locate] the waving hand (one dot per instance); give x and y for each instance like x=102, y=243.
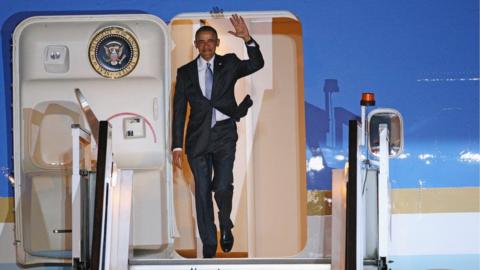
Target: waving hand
x=241, y=29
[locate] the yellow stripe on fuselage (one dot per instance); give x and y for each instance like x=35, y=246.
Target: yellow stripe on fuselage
x=410, y=201
x=435, y=200
x=6, y=210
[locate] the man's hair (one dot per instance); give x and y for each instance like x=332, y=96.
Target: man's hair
x=206, y=28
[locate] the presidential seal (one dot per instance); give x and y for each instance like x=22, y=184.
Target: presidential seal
x=113, y=52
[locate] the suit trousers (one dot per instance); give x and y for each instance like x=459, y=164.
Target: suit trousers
x=219, y=158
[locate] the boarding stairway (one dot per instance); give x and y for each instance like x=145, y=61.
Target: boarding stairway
x=102, y=236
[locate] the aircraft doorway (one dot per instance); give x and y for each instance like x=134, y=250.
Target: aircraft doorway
x=269, y=202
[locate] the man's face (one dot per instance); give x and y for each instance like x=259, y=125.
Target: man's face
x=206, y=42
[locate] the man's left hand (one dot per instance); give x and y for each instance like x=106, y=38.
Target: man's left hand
x=241, y=29
x=242, y=109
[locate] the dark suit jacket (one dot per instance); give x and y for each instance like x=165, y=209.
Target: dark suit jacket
x=227, y=70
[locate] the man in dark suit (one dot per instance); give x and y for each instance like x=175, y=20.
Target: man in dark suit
x=207, y=84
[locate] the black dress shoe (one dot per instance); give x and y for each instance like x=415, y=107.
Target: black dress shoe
x=226, y=240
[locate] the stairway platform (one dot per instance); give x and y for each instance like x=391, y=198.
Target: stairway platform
x=229, y=264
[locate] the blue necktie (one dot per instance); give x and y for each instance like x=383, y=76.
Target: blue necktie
x=208, y=89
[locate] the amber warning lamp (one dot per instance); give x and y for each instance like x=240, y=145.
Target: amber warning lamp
x=368, y=99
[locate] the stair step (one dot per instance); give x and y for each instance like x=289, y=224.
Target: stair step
x=192, y=253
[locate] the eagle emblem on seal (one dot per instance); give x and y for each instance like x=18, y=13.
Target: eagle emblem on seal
x=113, y=52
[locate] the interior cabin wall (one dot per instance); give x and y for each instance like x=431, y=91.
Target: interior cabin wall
x=182, y=52
x=279, y=148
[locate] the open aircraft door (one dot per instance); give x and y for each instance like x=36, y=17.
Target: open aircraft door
x=269, y=162
x=121, y=64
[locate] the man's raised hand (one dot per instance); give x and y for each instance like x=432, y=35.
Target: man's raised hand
x=241, y=29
